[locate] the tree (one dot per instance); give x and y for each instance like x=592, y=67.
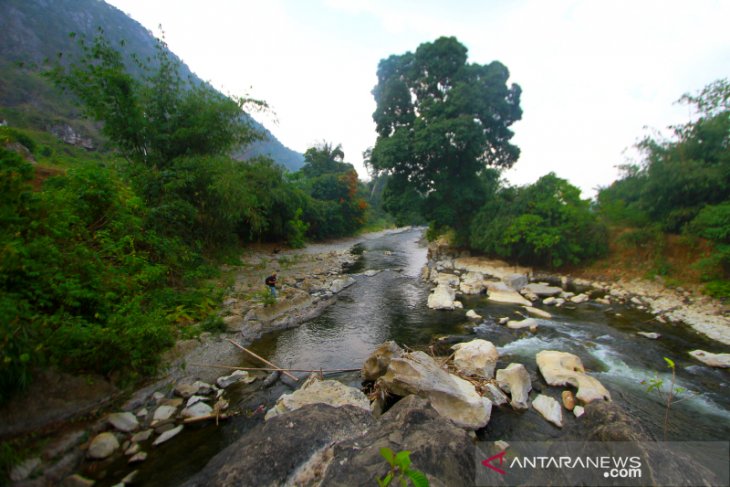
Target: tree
x=440, y=122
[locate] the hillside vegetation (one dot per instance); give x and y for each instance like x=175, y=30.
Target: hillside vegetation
x=105, y=257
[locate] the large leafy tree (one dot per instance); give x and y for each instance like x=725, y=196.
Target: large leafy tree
x=440, y=121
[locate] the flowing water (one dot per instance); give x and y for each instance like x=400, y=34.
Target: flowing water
x=391, y=305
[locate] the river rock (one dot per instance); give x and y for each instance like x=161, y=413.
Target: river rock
x=580, y=298
x=77, y=480
x=542, y=290
x=526, y=323
x=562, y=368
x=495, y=394
x=549, y=301
x=132, y=449
x=515, y=380
x=340, y=284
x=499, y=292
x=315, y=391
x=162, y=413
x=273, y=453
x=549, y=409
x=167, y=435
x=568, y=400
x=23, y=470
x=126, y=422
x=185, y=390
x=138, y=457
x=579, y=411
x=453, y=397
x=377, y=363
x=477, y=357
x=193, y=399
x=472, y=283
x=196, y=410
x=649, y=334
x=236, y=376
x=721, y=360
x=537, y=312
x=143, y=435
x=515, y=281
x=442, y=297
x=439, y=449
x=473, y=315
x=102, y=446
x=450, y=280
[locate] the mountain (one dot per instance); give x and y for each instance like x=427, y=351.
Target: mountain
x=35, y=31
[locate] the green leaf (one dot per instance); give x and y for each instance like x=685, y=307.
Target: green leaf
x=403, y=459
x=385, y=482
x=388, y=454
x=418, y=478
x=669, y=362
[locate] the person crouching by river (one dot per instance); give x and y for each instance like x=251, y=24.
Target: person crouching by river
x=271, y=282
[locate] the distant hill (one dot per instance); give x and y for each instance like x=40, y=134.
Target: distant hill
x=34, y=31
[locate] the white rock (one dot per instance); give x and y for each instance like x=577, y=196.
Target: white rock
x=499, y=292
x=236, y=376
x=452, y=397
x=477, y=357
x=549, y=301
x=132, y=450
x=193, y=399
x=126, y=422
x=472, y=283
x=549, y=409
x=473, y=315
x=373, y=272
x=142, y=413
x=526, y=323
x=604, y=301
x=167, y=435
x=579, y=411
x=442, y=297
x=721, y=360
x=537, y=312
x=196, y=410
x=515, y=380
x=562, y=368
x=503, y=320
x=138, y=457
x=103, y=445
x=581, y=298
x=450, y=280
x=329, y=392
x=142, y=436
x=340, y=284
x=163, y=412
x=501, y=445
x=158, y=396
x=542, y=290
x=649, y=334
x=458, y=305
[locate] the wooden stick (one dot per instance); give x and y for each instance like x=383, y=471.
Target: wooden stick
x=263, y=360
x=269, y=369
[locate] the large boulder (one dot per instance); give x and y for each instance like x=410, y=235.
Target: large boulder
x=562, y=369
x=279, y=451
x=488, y=267
x=499, y=292
x=515, y=380
x=477, y=357
x=472, y=283
x=442, y=451
x=315, y=391
x=453, y=397
x=442, y=297
x=377, y=363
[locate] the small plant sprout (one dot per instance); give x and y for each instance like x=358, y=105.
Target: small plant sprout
x=667, y=394
x=400, y=470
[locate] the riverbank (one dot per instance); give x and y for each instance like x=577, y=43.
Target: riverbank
x=61, y=413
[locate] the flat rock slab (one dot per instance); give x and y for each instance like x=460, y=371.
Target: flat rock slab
x=313, y=391
x=499, y=292
x=720, y=360
x=542, y=290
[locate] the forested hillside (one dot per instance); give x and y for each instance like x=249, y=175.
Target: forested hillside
x=29, y=41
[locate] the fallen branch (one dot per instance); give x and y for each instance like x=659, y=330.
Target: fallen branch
x=263, y=360
x=206, y=417
x=269, y=369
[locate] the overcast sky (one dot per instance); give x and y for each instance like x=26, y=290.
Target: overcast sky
x=593, y=73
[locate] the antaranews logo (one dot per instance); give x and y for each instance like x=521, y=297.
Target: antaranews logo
x=602, y=463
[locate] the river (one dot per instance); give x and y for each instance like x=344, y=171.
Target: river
x=391, y=305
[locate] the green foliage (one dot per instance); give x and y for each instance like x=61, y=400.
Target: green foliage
x=667, y=394
x=400, y=469
x=542, y=224
x=296, y=230
x=440, y=122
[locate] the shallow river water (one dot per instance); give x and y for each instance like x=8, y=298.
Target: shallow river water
x=391, y=305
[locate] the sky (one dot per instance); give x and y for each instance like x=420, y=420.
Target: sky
x=596, y=76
